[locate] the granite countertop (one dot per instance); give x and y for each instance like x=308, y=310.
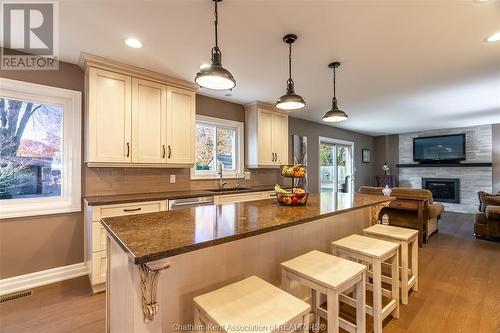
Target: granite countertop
x=124, y=198
x=153, y=236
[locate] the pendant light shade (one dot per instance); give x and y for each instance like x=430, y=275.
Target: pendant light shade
x=290, y=100
x=214, y=76
x=335, y=114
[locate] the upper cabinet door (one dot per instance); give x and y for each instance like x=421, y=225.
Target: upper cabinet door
x=109, y=117
x=149, y=122
x=265, y=137
x=280, y=137
x=180, y=126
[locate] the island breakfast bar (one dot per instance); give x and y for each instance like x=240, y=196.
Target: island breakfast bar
x=158, y=262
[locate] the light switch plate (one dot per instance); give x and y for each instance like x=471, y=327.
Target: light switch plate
x=247, y=175
x=172, y=179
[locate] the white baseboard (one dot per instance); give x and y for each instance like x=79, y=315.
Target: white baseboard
x=37, y=279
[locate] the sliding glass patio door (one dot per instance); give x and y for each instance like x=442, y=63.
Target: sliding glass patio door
x=336, y=166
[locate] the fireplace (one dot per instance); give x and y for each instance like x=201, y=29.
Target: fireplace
x=443, y=189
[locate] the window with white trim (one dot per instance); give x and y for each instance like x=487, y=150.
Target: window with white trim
x=40, y=149
x=219, y=142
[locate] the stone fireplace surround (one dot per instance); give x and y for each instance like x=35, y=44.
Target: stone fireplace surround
x=472, y=179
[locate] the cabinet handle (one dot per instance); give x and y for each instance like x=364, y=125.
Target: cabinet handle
x=163, y=156
x=128, y=149
x=169, y=152
x=273, y=157
x=132, y=210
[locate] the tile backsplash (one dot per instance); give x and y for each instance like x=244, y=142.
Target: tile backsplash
x=111, y=181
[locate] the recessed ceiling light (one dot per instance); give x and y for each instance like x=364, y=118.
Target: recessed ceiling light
x=494, y=38
x=134, y=43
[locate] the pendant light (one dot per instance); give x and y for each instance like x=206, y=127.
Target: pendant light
x=214, y=76
x=334, y=114
x=290, y=100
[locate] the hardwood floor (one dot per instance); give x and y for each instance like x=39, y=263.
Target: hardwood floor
x=67, y=306
x=459, y=291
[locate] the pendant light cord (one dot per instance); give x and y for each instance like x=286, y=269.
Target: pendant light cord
x=289, y=61
x=216, y=21
x=334, y=95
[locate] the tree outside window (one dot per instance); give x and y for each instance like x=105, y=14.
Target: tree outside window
x=30, y=149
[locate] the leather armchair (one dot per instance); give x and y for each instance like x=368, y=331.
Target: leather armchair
x=488, y=218
x=423, y=216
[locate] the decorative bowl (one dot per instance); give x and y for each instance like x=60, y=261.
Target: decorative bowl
x=292, y=199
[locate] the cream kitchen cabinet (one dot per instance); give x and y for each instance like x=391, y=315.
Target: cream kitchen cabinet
x=109, y=124
x=180, y=126
x=137, y=118
x=267, y=136
x=95, y=235
x=149, y=122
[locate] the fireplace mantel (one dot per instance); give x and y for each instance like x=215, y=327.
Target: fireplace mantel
x=444, y=165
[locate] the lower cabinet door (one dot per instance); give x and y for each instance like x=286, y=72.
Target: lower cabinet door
x=99, y=265
x=98, y=237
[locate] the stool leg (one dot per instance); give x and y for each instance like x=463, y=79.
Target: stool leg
x=285, y=281
x=404, y=273
x=377, y=296
x=333, y=311
x=197, y=321
x=315, y=303
x=305, y=323
x=395, y=283
x=360, y=292
x=414, y=263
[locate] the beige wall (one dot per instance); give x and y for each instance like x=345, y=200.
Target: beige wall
x=496, y=158
x=386, y=148
x=364, y=171
x=37, y=243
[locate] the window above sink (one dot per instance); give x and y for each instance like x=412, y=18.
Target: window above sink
x=218, y=141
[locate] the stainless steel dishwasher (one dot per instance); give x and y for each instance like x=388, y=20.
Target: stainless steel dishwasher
x=190, y=202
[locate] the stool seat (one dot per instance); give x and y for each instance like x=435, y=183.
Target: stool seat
x=323, y=268
x=367, y=246
x=251, y=302
x=391, y=231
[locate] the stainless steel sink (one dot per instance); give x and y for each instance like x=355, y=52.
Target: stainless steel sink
x=229, y=189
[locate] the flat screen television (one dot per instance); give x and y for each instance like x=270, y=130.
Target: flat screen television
x=439, y=149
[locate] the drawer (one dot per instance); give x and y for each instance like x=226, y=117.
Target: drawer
x=268, y=194
x=128, y=209
x=98, y=237
x=409, y=205
x=240, y=197
x=99, y=266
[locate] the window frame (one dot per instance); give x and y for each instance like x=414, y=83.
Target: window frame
x=71, y=102
x=239, y=147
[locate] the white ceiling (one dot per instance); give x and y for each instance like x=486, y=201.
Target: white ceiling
x=406, y=65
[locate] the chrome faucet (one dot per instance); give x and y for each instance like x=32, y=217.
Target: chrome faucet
x=221, y=182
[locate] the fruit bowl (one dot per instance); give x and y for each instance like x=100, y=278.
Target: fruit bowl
x=293, y=171
x=292, y=199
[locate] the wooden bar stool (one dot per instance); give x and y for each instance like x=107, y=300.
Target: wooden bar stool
x=407, y=239
x=250, y=305
x=373, y=252
x=328, y=275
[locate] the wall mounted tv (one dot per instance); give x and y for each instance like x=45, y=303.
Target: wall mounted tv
x=439, y=149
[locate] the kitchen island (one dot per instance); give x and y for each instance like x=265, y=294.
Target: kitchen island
x=158, y=262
